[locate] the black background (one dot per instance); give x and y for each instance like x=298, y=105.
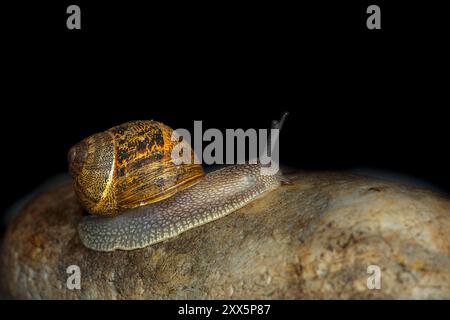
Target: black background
x=351, y=309
x=356, y=97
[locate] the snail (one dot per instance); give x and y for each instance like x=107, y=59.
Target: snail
x=137, y=196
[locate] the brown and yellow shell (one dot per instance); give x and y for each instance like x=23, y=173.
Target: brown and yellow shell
x=128, y=166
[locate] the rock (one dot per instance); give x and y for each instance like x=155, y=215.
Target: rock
x=313, y=239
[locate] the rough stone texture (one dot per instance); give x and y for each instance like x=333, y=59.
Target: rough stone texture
x=312, y=239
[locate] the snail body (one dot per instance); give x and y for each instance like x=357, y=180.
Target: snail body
x=216, y=195
x=124, y=176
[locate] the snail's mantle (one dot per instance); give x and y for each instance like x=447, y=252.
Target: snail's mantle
x=315, y=238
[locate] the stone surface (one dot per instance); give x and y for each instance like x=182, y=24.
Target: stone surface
x=312, y=239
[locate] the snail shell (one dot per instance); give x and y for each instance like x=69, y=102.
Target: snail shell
x=128, y=166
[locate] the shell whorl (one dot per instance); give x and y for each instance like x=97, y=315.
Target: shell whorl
x=216, y=195
x=128, y=166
